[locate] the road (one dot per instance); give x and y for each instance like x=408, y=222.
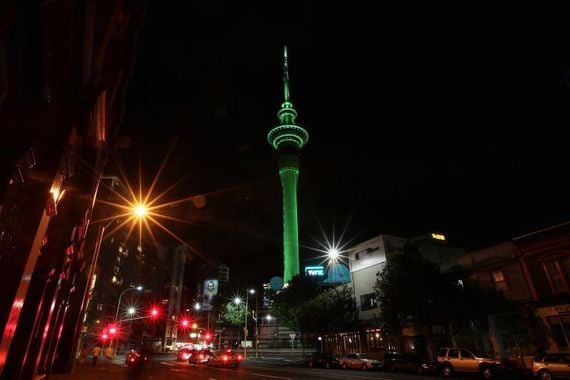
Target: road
x=167, y=368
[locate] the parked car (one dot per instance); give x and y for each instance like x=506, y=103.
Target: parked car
x=359, y=361
x=407, y=362
x=184, y=354
x=200, y=356
x=453, y=359
x=226, y=358
x=323, y=359
x=551, y=366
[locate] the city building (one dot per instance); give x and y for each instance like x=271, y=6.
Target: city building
x=64, y=70
x=365, y=261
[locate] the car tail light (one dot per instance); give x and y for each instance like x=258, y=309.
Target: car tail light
x=239, y=357
x=201, y=356
x=225, y=358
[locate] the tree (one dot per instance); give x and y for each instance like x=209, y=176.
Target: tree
x=233, y=315
x=332, y=311
x=306, y=306
x=411, y=289
x=288, y=303
x=412, y=292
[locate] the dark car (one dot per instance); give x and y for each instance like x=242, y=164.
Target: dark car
x=200, y=356
x=408, y=362
x=227, y=358
x=138, y=358
x=323, y=359
x=184, y=354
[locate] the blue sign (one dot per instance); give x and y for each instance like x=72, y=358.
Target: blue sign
x=315, y=271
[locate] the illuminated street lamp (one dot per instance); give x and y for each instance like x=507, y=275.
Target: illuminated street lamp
x=140, y=210
x=333, y=254
x=237, y=301
x=139, y=288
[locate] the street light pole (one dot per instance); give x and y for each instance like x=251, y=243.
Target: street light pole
x=245, y=329
x=139, y=288
x=256, y=330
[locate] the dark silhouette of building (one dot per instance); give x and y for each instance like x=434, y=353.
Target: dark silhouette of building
x=64, y=69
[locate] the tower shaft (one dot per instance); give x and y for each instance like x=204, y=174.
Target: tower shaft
x=289, y=174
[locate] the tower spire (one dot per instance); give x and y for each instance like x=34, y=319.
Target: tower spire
x=285, y=75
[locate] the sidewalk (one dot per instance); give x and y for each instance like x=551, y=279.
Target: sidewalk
x=104, y=370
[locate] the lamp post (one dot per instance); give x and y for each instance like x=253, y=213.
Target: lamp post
x=255, y=337
x=238, y=301
x=139, y=288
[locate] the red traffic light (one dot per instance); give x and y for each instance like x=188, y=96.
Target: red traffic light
x=112, y=330
x=207, y=336
x=185, y=323
x=154, y=312
x=104, y=337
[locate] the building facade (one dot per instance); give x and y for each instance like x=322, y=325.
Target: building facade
x=64, y=70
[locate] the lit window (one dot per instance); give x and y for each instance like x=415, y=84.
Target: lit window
x=368, y=301
x=500, y=281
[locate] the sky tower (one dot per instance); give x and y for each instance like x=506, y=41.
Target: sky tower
x=287, y=139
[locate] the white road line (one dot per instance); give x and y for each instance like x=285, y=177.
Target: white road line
x=272, y=377
x=167, y=363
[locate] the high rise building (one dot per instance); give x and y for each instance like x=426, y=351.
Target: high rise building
x=287, y=138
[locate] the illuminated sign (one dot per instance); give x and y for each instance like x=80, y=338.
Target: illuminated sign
x=315, y=271
x=438, y=236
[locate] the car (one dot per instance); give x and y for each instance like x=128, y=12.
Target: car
x=226, y=358
x=184, y=354
x=323, y=359
x=407, y=362
x=457, y=359
x=551, y=366
x=136, y=358
x=200, y=356
x=359, y=361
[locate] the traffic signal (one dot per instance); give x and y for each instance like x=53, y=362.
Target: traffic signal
x=185, y=323
x=207, y=336
x=154, y=312
x=112, y=330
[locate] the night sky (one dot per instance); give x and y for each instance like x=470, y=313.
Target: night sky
x=420, y=120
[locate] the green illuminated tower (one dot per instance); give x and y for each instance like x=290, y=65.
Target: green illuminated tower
x=287, y=139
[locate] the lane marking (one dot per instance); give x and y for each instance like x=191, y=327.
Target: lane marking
x=270, y=376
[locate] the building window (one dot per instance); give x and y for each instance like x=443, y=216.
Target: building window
x=368, y=301
x=500, y=281
x=357, y=256
x=558, y=274
x=560, y=327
